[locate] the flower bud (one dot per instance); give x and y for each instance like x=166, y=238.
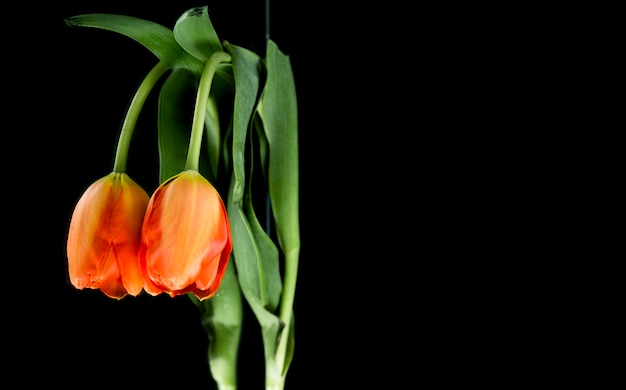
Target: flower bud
x=105, y=235
x=186, y=238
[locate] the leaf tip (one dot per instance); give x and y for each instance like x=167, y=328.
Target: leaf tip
x=70, y=21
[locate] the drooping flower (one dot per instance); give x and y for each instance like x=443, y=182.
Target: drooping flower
x=105, y=235
x=186, y=238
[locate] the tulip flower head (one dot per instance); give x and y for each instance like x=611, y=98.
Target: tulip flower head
x=186, y=238
x=105, y=235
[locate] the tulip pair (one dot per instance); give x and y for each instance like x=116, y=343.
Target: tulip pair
x=122, y=241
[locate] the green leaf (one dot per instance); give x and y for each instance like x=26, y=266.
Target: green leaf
x=263, y=145
x=217, y=120
x=155, y=37
x=175, y=99
x=279, y=113
x=247, y=72
x=261, y=254
x=269, y=276
x=213, y=137
x=291, y=339
x=222, y=318
x=194, y=32
x=248, y=260
x=279, y=121
x=256, y=256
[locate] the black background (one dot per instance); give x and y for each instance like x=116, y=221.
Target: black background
x=427, y=176
x=69, y=91
x=417, y=206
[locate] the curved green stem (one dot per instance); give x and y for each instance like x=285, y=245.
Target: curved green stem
x=199, y=114
x=287, y=299
x=121, y=154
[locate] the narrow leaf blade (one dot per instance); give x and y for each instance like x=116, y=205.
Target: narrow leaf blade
x=156, y=38
x=279, y=112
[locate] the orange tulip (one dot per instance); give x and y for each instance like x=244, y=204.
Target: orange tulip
x=186, y=239
x=105, y=235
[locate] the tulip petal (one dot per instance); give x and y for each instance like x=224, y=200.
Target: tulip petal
x=208, y=274
x=209, y=282
x=185, y=233
x=104, y=236
x=128, y=218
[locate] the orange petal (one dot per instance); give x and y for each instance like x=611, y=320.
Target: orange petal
x=185, y=229
x=104, y=236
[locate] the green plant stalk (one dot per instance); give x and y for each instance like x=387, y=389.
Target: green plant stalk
x=199, y=114
x=276, y=368
x=126, y=134
x=286, y=304
x=222, y=315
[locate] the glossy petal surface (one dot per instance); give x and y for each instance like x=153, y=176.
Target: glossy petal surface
x=105, y=235
x=186, y=239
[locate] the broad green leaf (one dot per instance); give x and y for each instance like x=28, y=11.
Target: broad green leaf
x=155, y=37
x=256, y=258
x=268, y=259
x=194, y=32
x=247, y=256
x=222, y=318
x=279, y=113
x=279, y=120
x=262, y=256
x=174, y=126
x=247, y=72
x=269, y=264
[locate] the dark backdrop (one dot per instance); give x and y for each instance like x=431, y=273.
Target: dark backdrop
x=420, y=207
x=69, y=91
